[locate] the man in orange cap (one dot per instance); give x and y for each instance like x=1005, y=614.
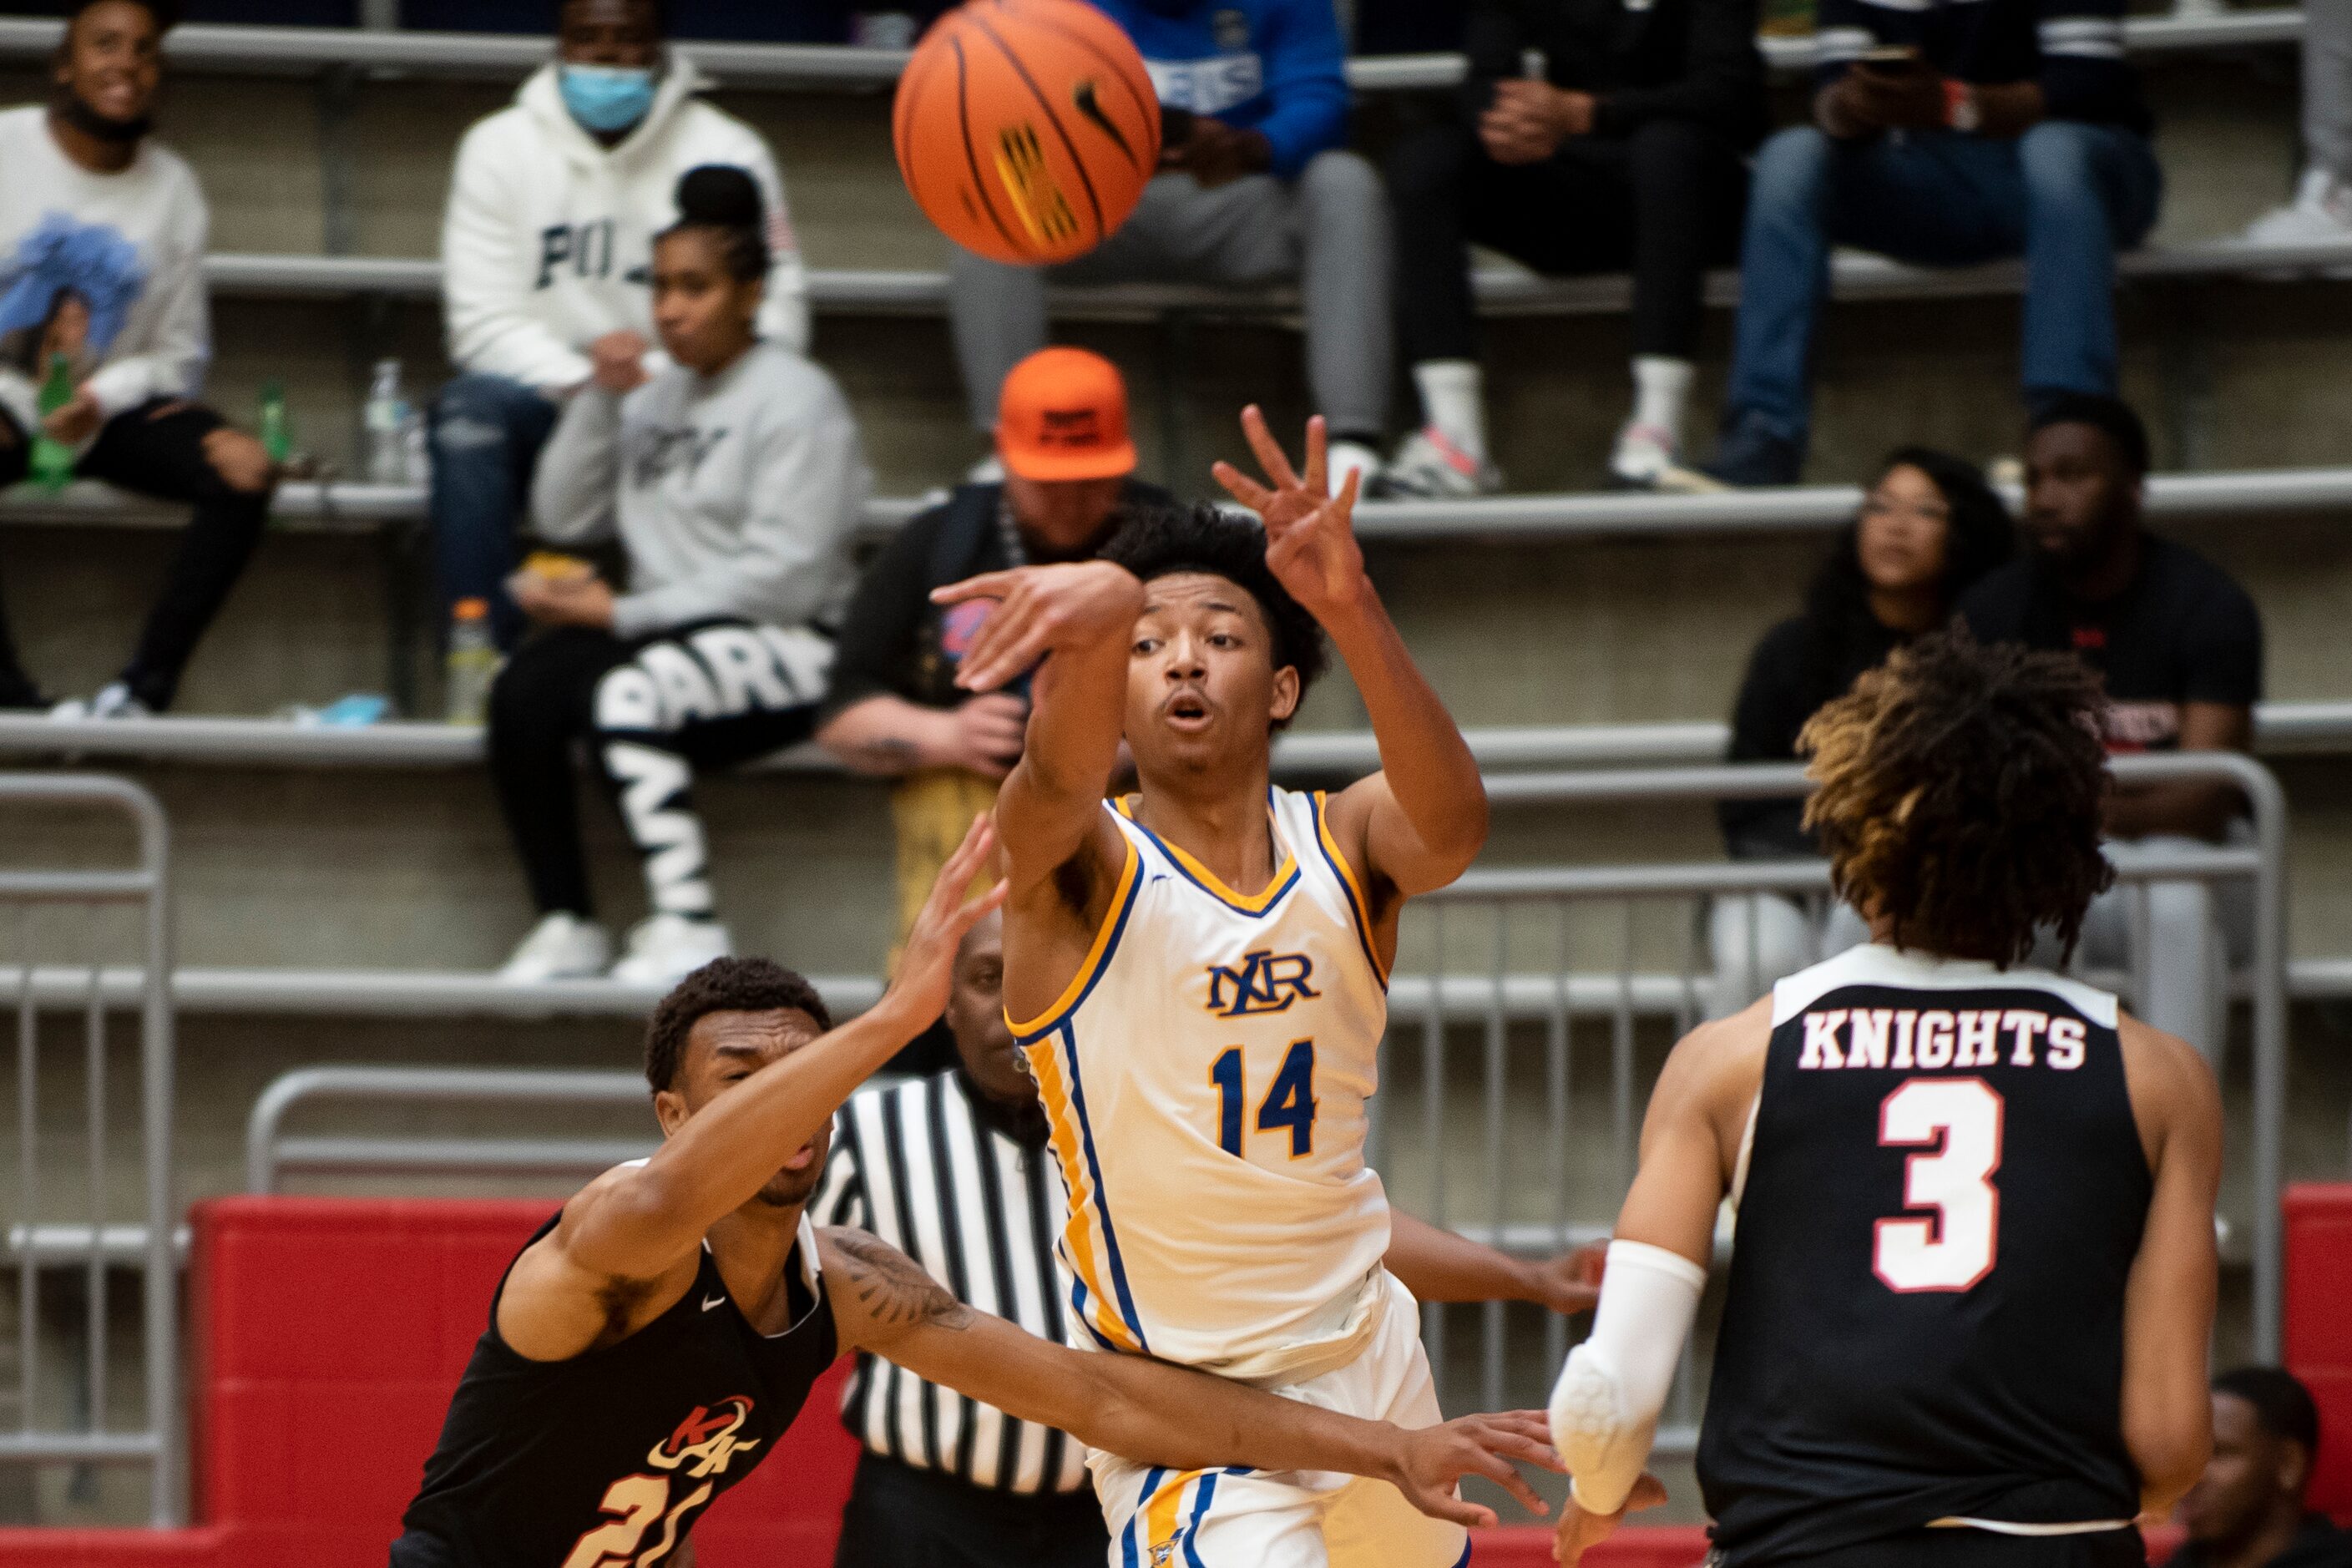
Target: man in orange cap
x=894, y=709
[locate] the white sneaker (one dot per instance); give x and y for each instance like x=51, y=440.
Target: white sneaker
x=559, y=947
x=114, y=702
x=1428, y=467
x=664, y=948
x=989, y=470
x=2320, y=213
x=1645, y=459
x=1344, y=457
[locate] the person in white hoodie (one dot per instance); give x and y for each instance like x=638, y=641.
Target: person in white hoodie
x=734, y=477
x=101, y=291
x=545, y=248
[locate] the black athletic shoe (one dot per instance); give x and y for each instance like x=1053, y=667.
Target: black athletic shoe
x=1752, y=455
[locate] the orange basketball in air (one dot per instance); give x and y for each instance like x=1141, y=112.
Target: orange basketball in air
x=1026, y=128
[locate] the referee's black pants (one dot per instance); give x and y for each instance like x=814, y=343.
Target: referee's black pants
x=1950, y=1548
x=1666, y=201
x=900, y=1517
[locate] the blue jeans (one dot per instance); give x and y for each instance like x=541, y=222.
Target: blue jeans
x=2064, y=196
x=486, y=433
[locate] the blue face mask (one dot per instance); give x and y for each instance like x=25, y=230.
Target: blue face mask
x=606, y=98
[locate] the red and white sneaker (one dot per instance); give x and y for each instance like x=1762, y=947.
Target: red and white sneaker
x=1428, y=467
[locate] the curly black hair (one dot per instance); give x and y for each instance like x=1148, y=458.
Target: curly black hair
x=723, y=986
x=724, y=202
x=1961, y=788
x=1162, y=541
x=165, y=13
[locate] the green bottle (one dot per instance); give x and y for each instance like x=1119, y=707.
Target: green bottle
x=53, y=460
x=276, y=439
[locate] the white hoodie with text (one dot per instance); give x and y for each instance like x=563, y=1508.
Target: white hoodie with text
x=547, y=240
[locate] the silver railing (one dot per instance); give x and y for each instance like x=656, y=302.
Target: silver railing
x=269, y=1153
x=74, y=1424
x=1556, y=987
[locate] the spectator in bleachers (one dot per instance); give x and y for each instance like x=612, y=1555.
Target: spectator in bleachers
x=734, y=479
x=545, y=249
x=1627, y=153
x=894, y=709
x=102, y=237
x=2247, y=1510
x=2322, y=208
x=1929, y=528
x=1256, y=186
x=1944, y=132
x=2178, y=646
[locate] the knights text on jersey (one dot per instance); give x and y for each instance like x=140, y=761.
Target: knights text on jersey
x=1944, y=1198
x=612, y=1456
x=1206, y=1075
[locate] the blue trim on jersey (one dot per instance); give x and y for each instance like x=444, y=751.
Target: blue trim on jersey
x=1202, y=1491
x=1142, y=1502
x=1360, y=918
x=1128, y=1314
x=1061, y=1016
x=1272, y=899
x=1463, y=1561
x=1078, y=1298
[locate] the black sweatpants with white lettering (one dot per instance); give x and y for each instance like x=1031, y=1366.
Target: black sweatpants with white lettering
x=649, y=713
x=156, y=449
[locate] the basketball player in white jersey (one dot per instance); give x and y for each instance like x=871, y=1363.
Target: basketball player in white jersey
x=1197, y=973
x=1974, y=1278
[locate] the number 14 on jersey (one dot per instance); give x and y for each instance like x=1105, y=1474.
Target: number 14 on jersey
x=1288, y=1105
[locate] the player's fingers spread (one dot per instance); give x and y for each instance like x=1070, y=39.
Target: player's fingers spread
x=1270, y=456
x=1524, y=1494
x=1240, y=487
x=1318, y=451
x=1345, y=501
x=987, y=586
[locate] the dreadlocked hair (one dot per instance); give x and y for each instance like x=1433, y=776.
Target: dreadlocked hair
x=1960, y=794
x=1163, y=541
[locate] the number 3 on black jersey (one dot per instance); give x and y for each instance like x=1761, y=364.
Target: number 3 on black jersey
x=1958, y=1119
x=1289, y=1103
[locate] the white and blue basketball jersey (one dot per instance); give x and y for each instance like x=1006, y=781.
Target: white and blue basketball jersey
x=1206, y=1074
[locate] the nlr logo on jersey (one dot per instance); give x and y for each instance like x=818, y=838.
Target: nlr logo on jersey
x=1267, y=982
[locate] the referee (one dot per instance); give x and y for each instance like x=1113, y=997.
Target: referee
x=953, y=1170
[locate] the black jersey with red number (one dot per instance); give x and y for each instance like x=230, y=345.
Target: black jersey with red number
x=610, y=1457
x=1943, y=1201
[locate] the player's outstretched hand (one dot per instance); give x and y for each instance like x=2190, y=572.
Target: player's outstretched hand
x=1310, y=533
x=1435, y=1457
x=1579, y=1529
x=1571, y=1282
x=1039, y=609
x=927, y=964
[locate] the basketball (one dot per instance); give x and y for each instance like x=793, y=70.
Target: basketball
x=1026, y=128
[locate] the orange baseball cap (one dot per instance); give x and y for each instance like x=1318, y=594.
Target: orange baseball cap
x=1063, y=415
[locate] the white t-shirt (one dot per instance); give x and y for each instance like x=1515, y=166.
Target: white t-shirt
x=108, y=268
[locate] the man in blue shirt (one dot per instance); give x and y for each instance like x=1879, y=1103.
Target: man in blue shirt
x=1944, y=132
x=1255, y=186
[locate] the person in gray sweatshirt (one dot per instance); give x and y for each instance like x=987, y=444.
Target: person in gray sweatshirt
x=734, y=479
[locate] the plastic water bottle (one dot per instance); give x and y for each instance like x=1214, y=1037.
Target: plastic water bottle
x=381, y=419
x=276, y=437
x=52, y=462
x=473, y=661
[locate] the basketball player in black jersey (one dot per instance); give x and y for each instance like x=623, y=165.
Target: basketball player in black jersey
x=648, y=1347
x=1974, y=1275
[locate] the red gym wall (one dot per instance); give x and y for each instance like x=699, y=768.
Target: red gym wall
x=327, y=1335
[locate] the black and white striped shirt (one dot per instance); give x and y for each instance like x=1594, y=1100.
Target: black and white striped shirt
x=914, y=1163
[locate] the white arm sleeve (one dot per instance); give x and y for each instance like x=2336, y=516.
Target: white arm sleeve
x=1605, y=1409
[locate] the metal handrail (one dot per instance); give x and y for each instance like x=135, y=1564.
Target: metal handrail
x=2266, y=803
x=266, y=1150
x=234, y=46
x=163, y=1443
